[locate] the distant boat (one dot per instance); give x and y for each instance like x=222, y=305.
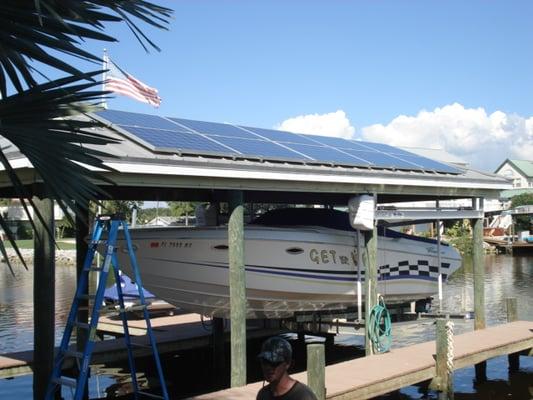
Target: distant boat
x=297, y=260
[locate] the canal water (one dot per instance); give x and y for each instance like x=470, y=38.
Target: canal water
x=189, y=372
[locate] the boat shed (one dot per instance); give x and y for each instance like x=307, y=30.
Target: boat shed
x=171, y=159
x=165, y=171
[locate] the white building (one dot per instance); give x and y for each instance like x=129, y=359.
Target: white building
x=520, y=172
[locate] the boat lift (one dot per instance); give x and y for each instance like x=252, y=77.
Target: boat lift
x=391, y=216
x=396, y=216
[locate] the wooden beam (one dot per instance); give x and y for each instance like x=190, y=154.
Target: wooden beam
x=82, y=233
x=316, y=369
x=512, y=315
x=237, y=283
x=371, y=274
x=43, y=297
x=479, y=274
x=443, y=380
x=479, y=289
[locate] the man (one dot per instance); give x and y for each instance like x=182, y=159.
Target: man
x=276, y=359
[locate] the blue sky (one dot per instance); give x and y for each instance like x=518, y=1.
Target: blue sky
x=453, y=74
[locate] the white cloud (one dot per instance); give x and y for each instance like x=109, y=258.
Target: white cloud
x=334, y=124
x=484, y=140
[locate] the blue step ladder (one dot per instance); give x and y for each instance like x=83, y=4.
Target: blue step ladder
x=110, y=224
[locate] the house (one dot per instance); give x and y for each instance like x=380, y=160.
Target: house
x=520, y=172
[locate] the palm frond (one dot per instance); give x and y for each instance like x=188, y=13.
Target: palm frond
x=29, y=28
x=41, y=122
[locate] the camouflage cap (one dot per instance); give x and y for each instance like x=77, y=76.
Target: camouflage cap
x=276, y=350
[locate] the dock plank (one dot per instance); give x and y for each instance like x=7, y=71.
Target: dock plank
x=172, y=334
x=368, y=377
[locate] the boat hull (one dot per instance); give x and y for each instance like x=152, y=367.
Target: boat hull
x=188, y=267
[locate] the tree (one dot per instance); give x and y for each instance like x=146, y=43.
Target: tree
x=523, y=222
x=39, y=116
x=182, y=209
x=460, y=236
x=124, y=207
x=523, y=199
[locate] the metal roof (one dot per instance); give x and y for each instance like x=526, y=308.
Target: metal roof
x=167, y=176
x=524, y=167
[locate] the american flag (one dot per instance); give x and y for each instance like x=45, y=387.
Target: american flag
x=119, y=81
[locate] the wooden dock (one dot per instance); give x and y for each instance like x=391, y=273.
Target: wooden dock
x=367, y=377
x=172, y=334
x=516, y=247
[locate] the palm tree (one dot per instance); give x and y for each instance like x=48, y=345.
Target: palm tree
x=38, y=115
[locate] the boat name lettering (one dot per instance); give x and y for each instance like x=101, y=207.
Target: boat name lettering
x=175, y=244
x=326, y=256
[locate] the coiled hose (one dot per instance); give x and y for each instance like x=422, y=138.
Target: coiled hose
x=380, y=327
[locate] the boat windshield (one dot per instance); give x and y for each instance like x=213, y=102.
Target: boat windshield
x=327, y=218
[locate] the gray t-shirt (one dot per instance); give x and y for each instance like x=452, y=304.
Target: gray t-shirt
x=299, y=391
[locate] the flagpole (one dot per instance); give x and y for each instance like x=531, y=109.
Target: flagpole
x=105, y=61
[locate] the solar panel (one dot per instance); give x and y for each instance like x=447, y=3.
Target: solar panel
x=328, y=155
x=260, y=148
x=385, y=148
x=383, y=160
x=215, y=129
x=280, y=136
x=198, y=137
x=135, y=119
x=429, y=164
x=164, y=140
x=337, y=142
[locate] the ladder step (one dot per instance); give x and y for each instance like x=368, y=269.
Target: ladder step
x=141, y=345
x=66, y=381
x=87, y=297
x=136, y=308
x=83, y=325
x=75, y=354
x=99, y=307
x=153, y=396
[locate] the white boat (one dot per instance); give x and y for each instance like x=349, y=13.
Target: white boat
x=297, y=260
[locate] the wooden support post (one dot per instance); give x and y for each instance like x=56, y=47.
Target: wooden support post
x=479, y=289
x=43, y=298
x=316, y=369
x=479, y=274
x=237, y=284
x=443, y=382
x=219, y=354
x=512, y=315
x=371, y=273
x=512, y=309
x=82, y=233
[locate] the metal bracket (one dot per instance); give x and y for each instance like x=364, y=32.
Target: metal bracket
x=413, y=214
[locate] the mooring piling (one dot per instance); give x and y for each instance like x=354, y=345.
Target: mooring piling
x=237, y=289
x=316, y=369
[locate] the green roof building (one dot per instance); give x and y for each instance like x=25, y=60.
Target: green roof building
x=520, y=172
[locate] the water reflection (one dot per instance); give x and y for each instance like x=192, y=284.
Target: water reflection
x=16, y=306
x=505, y=277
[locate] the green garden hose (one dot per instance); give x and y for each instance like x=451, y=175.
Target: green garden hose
x=380, y=327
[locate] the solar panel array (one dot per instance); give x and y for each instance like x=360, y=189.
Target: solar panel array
x=215, y=139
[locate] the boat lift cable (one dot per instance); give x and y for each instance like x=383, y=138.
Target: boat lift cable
x=380, y=327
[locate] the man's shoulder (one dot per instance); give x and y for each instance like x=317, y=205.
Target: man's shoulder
x=303, y=392
x=264, y=393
